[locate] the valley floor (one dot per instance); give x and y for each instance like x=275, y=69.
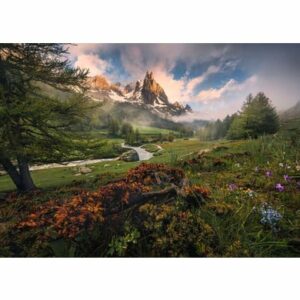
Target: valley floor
x=250, y=203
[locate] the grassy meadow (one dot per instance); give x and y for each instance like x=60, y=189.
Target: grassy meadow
x=248, y=205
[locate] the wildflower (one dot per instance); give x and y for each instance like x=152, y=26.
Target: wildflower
x=298, y=168
x=251, y=193
x=270, y=216
x=232, y=186
x=256, y=169
x=288, y=167
x=281, y=165
x=279, y=187
x=286, y=177
x=268, y=173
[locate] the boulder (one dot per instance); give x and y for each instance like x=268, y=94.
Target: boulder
x=130, y=155
x=84, y=170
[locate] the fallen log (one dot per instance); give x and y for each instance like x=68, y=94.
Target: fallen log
x=161, y=196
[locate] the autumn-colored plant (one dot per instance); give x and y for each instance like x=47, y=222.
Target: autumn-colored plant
x=82, y=211
x=196, y=195
x=67, y=218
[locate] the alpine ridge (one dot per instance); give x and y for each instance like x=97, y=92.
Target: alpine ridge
x=146, y=93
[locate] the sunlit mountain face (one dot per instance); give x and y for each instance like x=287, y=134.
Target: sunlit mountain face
x=212, y=79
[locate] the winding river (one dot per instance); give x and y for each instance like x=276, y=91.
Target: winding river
x=142, y=153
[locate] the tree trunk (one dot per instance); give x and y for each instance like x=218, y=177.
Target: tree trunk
x=12, y=172
x=25, y=176
x=22, y=178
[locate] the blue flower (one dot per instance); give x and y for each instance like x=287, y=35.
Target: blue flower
x=270, y=216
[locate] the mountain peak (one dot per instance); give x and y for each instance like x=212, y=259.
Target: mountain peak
x=152, y=92
x=99, y=82
x=146, y=93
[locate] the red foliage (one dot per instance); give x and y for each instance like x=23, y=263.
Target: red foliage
x=82, y=211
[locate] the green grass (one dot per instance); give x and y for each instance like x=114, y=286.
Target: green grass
x=58, y=177
x=232, y=218
x=148, y=130
x=151, y=148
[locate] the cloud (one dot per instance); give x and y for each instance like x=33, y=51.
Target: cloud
x=182, y=89
x=193, y=83
x=173, y=88
x=229, y=87
x=92, y=62
x=276, y=69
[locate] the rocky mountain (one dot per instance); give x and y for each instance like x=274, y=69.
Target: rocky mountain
x=146, y=93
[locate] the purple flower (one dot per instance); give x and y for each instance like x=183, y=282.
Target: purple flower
x=286, y=177
x=232, y=186
x=279, y=187
x=268, y=173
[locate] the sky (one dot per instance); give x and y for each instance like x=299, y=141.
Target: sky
x=214, y=79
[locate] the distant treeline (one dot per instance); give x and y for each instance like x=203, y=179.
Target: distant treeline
x=133, y=136
x=257, y=117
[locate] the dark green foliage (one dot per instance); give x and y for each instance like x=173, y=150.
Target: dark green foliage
x=33, y=121
x=137, y=136
x=126, y=129
x=113, y=127
x=171, y=137
x=257, y=117
x=216, y=130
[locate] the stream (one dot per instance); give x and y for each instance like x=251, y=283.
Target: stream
x=142, y=153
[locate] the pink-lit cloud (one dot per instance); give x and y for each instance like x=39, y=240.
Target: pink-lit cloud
x=276, y=72
x=92, y=62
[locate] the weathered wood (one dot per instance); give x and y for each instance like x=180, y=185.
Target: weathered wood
x=162, y=196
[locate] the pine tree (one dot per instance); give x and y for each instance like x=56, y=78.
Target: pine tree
x=257, y=117
x=137, y=136
x=113, y=127
x=126, y=129
x=41, y=98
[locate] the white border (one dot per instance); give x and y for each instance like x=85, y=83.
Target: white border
x=149, y=21
x=149, y=279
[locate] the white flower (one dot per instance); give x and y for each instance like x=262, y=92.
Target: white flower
x=298, y=167
x=281, y=165
x=269, y=216
x=251, y=194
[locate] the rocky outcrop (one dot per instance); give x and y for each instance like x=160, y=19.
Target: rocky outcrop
x=188, y=108
x=152, y=92
x=146, y=93
x=84, y=170
x=129, y=88
x=117, y=89
x=130, y=155
x=99, y=83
